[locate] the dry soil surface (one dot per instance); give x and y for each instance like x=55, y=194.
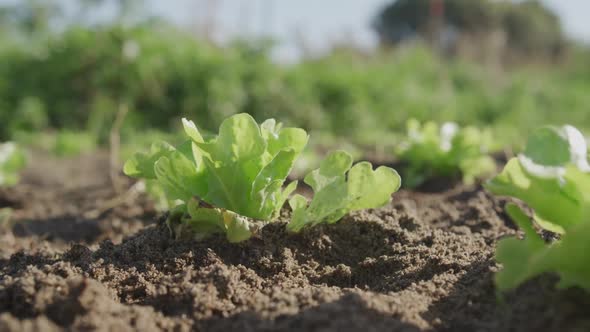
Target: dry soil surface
x=76, y=255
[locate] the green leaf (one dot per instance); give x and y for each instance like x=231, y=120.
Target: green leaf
x=191, y=130
x=334, y=195
x=205, y=219
x=239, y=140
x=569, y=258
x=179, y=177
x=288, y=138
x=525, y=259
x=547, y=146
x=331, y=169
x=270, y=127
x=237, y=227
x=12, y=161
x=556, y=173
x=298, y=205
x=329, y=202
x=233, y=160
x=285, y=196
x=141, y=165
x=195, y=137
x=241, y=171
x=278, y=168
x=267, y=193
x=553, y=178
x=368, y=188
x=558, y=205
x=248, y=165
x=581, y=179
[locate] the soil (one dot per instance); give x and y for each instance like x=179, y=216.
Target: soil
x=71, y=259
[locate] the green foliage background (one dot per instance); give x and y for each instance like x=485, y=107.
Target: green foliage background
x=531, y=29
x=78, y=77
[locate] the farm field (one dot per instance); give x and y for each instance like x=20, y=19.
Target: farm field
x=424, y=262
x=166, y=176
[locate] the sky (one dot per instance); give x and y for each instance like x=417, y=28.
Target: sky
x=311, y=25
x=314, y=24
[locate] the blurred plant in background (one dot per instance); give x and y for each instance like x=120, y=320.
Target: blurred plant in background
x=12, y=161
x=74, y=75
x=447, y=151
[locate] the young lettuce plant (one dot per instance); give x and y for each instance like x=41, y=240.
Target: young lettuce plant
x=340, y=188
x=229, y=184
x=553, y=177
x=12, y=161
x=445, y=151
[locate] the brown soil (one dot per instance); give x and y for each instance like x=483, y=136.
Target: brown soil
x=60, y=201
x=425, y=263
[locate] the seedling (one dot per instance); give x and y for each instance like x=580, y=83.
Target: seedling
x=233, y=183
x=553, y=177
x=12, y=161
x=448, y=151
x=227, y=183
x=340, y=188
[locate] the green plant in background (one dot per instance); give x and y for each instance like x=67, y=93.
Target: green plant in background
x=225, y=182
x=29, y=116
x=12, y=161
x=552, y=176
x=72, y=143
x=61, y=143
x=163, y=73
x=445, y=151
x=340, y=188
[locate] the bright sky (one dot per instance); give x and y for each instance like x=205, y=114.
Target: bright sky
x=312, y=23
x=316, y=23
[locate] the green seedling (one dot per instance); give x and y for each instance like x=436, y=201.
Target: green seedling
x=445, y=151
x=340, y=188
x=12, y=161
x=552, y=176
x=230, y=183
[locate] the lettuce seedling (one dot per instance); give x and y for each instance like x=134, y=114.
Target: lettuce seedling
x=445, y=151
x=552, y=176
x=339, y=189
x=230, y=183
x=12, y=161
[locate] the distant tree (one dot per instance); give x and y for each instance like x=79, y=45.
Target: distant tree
x=529, y=26
x=532, y=28
x=401, y=20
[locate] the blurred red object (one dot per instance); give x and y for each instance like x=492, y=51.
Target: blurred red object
x=437, y=8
